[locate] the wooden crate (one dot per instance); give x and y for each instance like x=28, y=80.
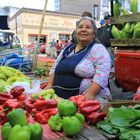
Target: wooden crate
x=49, y=66
x=119, y=103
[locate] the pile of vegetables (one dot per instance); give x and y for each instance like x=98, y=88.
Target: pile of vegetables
x=118, y=10
x=67, y=119
x=24, y=114
x=123, y=122
x=128, y=30
x=17, y=128
x=9, y=75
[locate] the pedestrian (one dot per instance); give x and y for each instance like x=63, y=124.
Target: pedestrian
x=53, y=48
x=82, y=68
x=58, y=47
x=104, y=35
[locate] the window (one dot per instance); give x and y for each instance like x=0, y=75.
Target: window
x=105, y=3
x=64, y=37
x=57, y=5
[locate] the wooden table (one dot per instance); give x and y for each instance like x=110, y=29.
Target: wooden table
x=88, y=133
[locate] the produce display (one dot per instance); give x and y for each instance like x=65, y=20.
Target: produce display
x=126, y=30
x=16, y=128
x=129, y=30
x=118, y=10
x=9, y=75
x=25, y=114
x=123, y=122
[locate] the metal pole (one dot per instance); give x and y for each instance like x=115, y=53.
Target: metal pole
x=39, y=34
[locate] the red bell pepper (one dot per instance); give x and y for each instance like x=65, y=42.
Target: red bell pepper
x=29, y=105
x=44, y=115
x=17, y=90
x=136, y=97
x=12, y=103
x=90, y=103
x=95, y=117
x=40, y=104
x=89, y=109
x=78, y=100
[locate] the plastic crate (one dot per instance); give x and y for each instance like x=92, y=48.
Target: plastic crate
x=127, y=69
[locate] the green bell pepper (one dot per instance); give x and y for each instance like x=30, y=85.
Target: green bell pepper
x=66, y=107
x=36, y=131
x=55, y=122
x=17, y=116
x=5, y=131
x=19, y=132
x=80, y=117
x=72, y=125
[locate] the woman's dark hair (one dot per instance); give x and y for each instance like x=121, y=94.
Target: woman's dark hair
x=86, y=14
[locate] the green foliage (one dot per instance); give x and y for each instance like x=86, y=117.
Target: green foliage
x=40, y=71
x=123, y=121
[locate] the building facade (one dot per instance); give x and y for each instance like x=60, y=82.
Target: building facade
x=76, y=6
x=59, y=23
x=58, y=26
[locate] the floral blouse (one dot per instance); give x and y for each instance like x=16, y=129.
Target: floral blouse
x=95, y=66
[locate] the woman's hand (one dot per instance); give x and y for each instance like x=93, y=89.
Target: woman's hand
x=89, y=96
x=93, y=90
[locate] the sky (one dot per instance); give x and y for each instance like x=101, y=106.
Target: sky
x=35, y=4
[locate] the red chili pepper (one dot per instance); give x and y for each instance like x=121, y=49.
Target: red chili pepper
x=3, y=117
x=17, y=90
x=12, y=103
x=29, y=104
x=21, y=97
x=95, y=117
x=89, y=109
x=44, y=115
x=43, y=85
x=45, y=104
x=78, y=100
x=136, y=97
x=4, y=97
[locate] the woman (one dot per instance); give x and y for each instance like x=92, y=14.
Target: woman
x=82, y=68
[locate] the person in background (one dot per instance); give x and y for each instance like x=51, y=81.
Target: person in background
x=58, y=47
x=82, y=68
x=104, y=35
x=84, y=14
x=53, y=48
x=102, y=23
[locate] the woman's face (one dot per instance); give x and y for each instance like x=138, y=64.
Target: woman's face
x=85, y=32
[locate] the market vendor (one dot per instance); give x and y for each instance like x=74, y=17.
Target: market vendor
x=83, y=68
